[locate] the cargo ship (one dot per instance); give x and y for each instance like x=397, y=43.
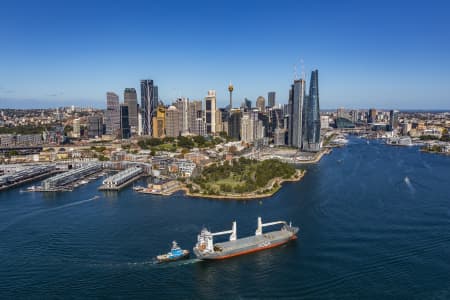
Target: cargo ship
x=206, y=249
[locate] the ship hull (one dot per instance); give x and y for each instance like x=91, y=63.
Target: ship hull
x=247, y=245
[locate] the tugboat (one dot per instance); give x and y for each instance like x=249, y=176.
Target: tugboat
x=176, y=253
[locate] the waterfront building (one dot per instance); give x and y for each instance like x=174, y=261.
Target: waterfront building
x=112, y=114
x=130, y=100
x=76, y=128
x=271, y=99
x=149, y=103
x=210, y=112
x=159, y=122
x=311, y=128
x=234, y=124
x=173, y=117
x=125, y=131
x=194, y=113
x=393, y=120
x=95, y=126
x=182, y=104
x=297, y=99
x=261, y=103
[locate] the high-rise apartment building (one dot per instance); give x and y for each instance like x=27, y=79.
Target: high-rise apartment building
x=112, y=114
x=149, y=103
x=311, y=128
x=130, y=100
x=271, y=99
x=210, y=112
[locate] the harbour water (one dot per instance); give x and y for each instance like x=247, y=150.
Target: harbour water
x=374, y=223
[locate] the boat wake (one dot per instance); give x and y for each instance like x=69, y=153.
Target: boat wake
x=148, y=264
x=409, y=184
x=40, y=211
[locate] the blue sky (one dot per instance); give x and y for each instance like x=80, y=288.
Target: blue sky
x=384, y=54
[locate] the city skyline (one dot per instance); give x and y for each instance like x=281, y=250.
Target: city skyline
x=368, y=56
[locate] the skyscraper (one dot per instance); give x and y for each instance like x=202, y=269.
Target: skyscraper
x=393, y=120
x=234, y=124
x=261, y=104
x=182, y=104
x=159, y=122
x=271, y=99
x=247, y=104
x=172, y=122
x=76, y=128
x=311, y=128
x=125, y=132
x=298, y=98
x=372, y=116
x=112, y=114
x=210, y=112
x=95, y=126
x=149, y=103
x=194, y=114
x=130, y=100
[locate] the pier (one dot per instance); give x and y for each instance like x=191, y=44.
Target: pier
x=27, y=175
x=68, y=180
x=121, y=179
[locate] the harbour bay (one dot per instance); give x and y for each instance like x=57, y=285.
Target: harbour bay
x=373, y=219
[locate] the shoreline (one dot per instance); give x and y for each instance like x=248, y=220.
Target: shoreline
x=299, y=174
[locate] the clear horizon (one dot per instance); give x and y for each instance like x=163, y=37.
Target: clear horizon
x=383, y=54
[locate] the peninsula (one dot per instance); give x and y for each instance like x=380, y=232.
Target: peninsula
x=242, y=178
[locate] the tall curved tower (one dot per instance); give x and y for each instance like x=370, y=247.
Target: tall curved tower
x=311, y=136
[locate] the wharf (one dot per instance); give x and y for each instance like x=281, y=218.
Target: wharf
x=38, y=177
x=105, y=187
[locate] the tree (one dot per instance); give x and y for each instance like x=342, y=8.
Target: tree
x=185, y=142
x=199, y=140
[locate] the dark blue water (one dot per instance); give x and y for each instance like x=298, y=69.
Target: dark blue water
x=374, y=223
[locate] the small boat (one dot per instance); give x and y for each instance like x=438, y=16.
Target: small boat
x=32, y=188
x=176, y=253
x=138, y=188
